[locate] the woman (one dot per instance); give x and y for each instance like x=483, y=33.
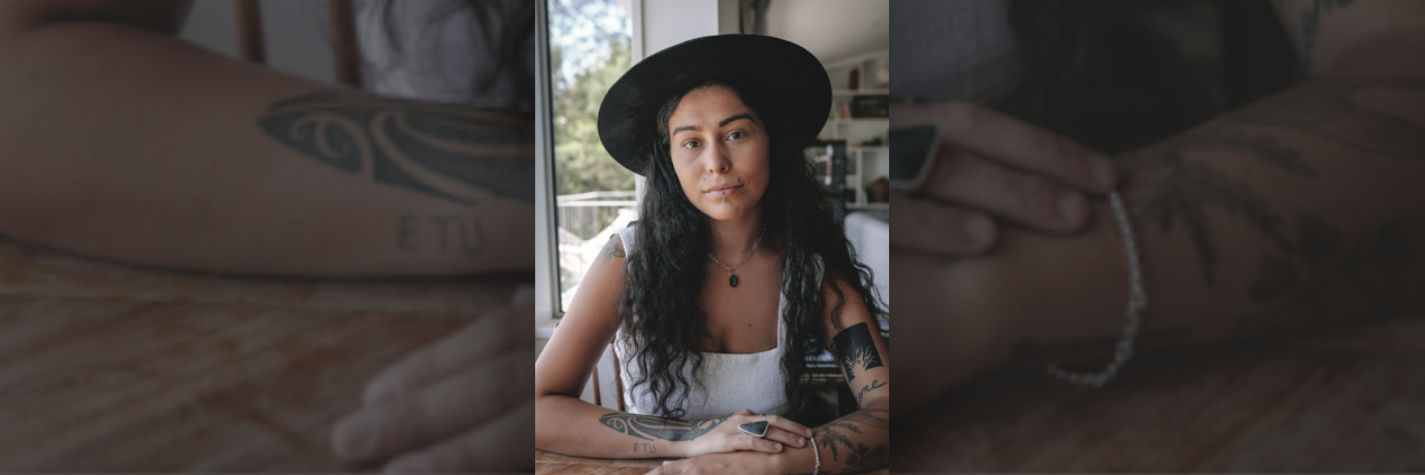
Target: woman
x=733, y=276
x=124, y=142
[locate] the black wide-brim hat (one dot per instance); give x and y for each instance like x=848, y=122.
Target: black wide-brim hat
x=784, y=83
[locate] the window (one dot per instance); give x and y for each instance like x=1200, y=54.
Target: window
x=590, y=46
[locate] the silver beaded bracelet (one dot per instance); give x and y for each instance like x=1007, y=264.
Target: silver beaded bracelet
x=1137, y=301
x=817, y=453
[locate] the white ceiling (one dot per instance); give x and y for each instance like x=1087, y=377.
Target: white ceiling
x=832, y=29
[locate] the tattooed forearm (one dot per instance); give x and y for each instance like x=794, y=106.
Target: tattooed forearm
x=1328, y=276
x=857, y=349
x=449, y=152
x=1181, y=189
x=653, y=428
x=444, y=234
x=859, y=455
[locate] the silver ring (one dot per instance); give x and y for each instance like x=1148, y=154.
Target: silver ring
x=757, y=429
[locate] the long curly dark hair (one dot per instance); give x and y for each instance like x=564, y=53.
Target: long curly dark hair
x=513, y=20
x=664, y=279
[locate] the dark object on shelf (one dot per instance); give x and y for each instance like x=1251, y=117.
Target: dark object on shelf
x=871, y=107
x=879, y=191
x=855, y=82
x=836, y=187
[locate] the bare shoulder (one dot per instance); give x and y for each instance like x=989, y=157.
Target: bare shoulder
x=612, y=250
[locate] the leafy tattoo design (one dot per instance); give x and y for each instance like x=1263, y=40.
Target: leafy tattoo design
x=859, y=456
x=449, y=152
x=857, y=349
x=1329, y=275
x=653, y=428
x=1182, y=197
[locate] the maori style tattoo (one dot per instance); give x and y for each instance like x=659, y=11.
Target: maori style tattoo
x=1324, y=108
x=449, y=152
x=653, y=428
x=857, y=349
x=859, y=457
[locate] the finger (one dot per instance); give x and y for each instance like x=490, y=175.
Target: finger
x=786, y=438
x=1025, y=198
x=927, y=226
x=745, y=412
x=748, y=442
x=788, y=425
x=493, y=333
x=468, y=398
x=498, y=446
x=1011, y=141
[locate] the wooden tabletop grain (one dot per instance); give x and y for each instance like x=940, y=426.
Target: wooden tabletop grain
x=1349, y=398
x=107, y=367
x=549, y=463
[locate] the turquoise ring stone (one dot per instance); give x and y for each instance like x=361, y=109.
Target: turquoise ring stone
x=757, y=429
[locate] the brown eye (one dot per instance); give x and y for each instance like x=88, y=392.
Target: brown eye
x=691, y=144
x=736, y=134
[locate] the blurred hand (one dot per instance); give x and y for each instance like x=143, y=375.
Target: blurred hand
x=462, y=404
x=737, y=462
x=992, y=166
x=726, y=437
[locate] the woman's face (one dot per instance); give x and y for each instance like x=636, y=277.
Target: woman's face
x=719, y=150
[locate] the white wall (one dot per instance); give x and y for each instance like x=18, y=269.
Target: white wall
x=297, y=34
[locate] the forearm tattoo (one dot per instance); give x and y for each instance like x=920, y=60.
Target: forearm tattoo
x=857, y=349
x=449, y=152
x=653, y=428
x=1314, y=269
x=445, y=234
x=860, y=457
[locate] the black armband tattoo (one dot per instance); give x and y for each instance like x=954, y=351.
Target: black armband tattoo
x=857, y=349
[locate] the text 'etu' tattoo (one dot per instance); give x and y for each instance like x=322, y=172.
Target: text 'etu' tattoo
x=653, y=428
x=443, y=234
x=644, y=448
x=448, y=152
x=857, y=349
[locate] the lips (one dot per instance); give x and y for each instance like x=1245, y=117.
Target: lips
x=723, y=190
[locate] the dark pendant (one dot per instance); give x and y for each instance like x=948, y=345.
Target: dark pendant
x=732, y=280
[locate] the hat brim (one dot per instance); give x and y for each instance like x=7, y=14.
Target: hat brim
x=784, y=83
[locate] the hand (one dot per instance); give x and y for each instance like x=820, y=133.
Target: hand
x=726, y=437
x=462, y=404
x=990, y=165
x=736, y=462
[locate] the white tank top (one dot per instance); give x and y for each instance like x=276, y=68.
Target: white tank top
x=731, y=382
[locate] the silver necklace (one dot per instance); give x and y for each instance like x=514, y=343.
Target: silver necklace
x=732, y=278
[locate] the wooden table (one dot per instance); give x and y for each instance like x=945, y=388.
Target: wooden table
x=106, y=367
x=1349, y=399
x=549, y=463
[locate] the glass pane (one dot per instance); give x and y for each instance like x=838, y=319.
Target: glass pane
x=591, y=44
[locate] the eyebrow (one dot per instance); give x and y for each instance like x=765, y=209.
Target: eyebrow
x=724, y=123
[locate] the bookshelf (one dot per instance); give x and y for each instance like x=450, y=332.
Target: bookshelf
x=864, y=163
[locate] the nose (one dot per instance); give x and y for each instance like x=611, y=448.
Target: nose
x=716, y=159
